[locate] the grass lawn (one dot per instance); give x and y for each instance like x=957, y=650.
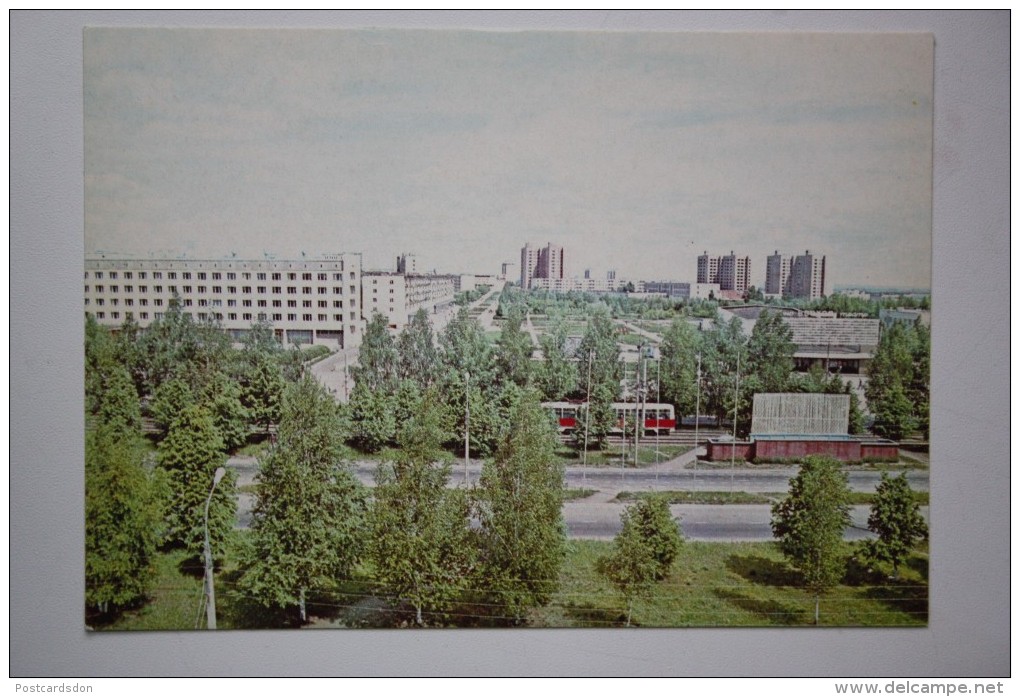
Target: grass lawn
x=575, y=494
x=610, y=457
x=652, y=326
x=176, y=598
x=706, y=497
x=713, y=584
x=734, y=584
x=631, y=339
x=857, y=498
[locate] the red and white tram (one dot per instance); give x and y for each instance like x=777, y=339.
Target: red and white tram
x=659, y=418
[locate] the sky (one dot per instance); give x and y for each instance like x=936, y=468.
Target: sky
x=633, y=151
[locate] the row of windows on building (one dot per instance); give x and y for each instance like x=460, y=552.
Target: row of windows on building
x=232, y=316
x=216, y=275
x=218, y=290
x=202, y=302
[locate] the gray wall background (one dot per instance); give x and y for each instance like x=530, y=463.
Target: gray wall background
x=969, y=622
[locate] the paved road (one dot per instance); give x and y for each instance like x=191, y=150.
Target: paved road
x=332, y=372
x=489, y=302
x=756, y=480
x=598, y=516
x=730, y=523
x=536, y=351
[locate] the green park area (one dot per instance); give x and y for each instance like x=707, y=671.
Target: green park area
x=709, y=585
x=167, y=405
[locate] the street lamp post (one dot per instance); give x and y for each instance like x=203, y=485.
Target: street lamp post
x=467, y=423
x=210, y=590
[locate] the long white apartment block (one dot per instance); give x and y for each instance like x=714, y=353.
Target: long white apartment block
x=398, y=296
x=315, y=300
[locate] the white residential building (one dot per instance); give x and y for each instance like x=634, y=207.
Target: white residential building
x=801, y=276
x=314, y=300
x=398, y=296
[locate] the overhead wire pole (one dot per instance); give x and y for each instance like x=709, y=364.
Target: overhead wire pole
x=736, y=402
x=587, y=418
x=643, y=411
x=697, y=417
x=658, y=401
x=637, y=404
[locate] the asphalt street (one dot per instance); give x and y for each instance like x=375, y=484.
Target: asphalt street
x=598, y=515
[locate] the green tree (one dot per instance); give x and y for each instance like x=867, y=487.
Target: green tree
x=918, y=386
x=122, y=516
x=894, y=413
x=175, y=346
x=309, y=522
x=117, y=406
x=556, y=375
x=129, y=352
x=513, y=349
x=855, y=423
x=770, y=353
x=105, y=390
x=421, y=541
x=169, y=400
x=753, y=294
x=373, y=418
x=599, y=346
x=189, y=457
x=810, y=521
x=896, y=519
x=122, y=519
x=407, y=401
x=222, y=397
x=724, y=354
x=678, y=369
x=520, y=502
x=417, y=356
x=598, y=417
x=261, y=385
x=377, y=358
x=643, y=551
x=463, y=349
x=898, y=380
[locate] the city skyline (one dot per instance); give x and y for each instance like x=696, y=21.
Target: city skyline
x=636, y=152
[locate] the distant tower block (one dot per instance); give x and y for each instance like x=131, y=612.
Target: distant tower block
x=546, y=262
x=730, y=272
x=407, y=263
x=800, y=276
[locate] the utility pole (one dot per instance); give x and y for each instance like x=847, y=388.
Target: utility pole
x=736, y=402
x=637, y=404
x=643, y=394
x=697, y=417
x=346, y=393
x=587, y=418
x=467, y=423
x=658, y=401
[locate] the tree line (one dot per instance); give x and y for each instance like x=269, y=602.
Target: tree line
x=426, y=542
x=313, y=522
